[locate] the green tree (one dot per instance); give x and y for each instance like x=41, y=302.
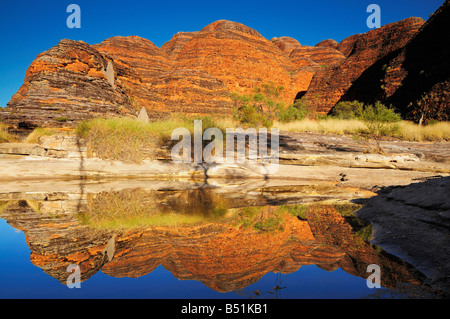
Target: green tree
x=294, y=112
x=261, y=108
x=347, y=110
x=380, y=119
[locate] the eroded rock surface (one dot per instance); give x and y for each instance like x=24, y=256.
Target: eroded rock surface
x=402, y=63
x=64, y=85
x=330, y=84
x=415, y=225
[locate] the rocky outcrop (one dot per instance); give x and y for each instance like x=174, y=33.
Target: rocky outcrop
x=328, y=86
x=286, y=44
x=346, y=46
x=139, y=63
x=64, y=85
x=327, y=43
x=301, y=155
x=174, y=46
x=192, y=92
x=195, y=73
x=414, y=79
x=415, y=225
x=240, y=58
x=322, y=55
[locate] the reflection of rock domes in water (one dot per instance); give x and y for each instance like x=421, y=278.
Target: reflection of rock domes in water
x=225, y=253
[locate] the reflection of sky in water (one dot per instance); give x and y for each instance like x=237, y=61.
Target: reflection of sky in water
x=19, y=278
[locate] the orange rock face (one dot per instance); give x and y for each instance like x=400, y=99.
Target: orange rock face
x=239, y=57
x=323, y=56
x=174, y=46
x=414, y=78
x=66, y=84
x=417, y=79
x=196, y=72
x=327, y=43
x=330, y=84
x=193, y=73
x=286, y=44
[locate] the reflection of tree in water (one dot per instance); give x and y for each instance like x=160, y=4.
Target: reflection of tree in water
x=272, y=293
x=278, y=287
x=202, y=201
x=134, y=208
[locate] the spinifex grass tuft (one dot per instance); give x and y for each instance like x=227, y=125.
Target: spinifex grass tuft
x=118, y=139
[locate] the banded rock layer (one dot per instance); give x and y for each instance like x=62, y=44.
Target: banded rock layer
x=67, y=83
x=416, y=78
x=330, y=84
x=195, y=72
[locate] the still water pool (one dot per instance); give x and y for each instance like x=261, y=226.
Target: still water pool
x=178, y=244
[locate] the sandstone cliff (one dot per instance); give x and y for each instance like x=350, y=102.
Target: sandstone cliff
x=416, y=78
x=195, y=73
x=65, y=84
x=330, y=84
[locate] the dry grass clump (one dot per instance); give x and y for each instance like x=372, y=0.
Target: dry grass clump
x=5, y=136
x=410, y=131
x=330, y=125
x=136, y=208
x=118, y=139
x=38, y=132
x=127, y=139
x=406, y=130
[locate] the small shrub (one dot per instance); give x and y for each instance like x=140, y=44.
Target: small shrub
x=5, y=136
x=259, y=109
x=295, y=112
x=347, y=110
x=380, y=120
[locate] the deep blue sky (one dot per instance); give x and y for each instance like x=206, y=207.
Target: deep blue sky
x=30, y=27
